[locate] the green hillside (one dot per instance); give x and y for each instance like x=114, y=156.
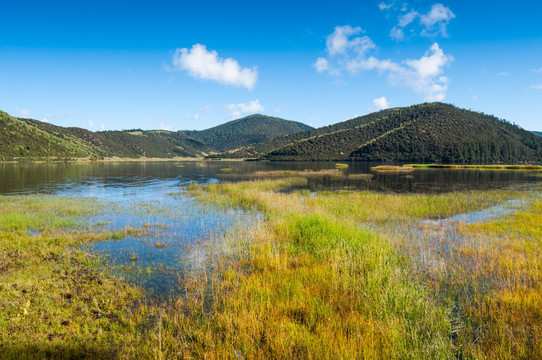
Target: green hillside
x=432, y=132
x=20, y=139
x=33, y=139
x=245, y=131
x=263, y=148
x=130, y=143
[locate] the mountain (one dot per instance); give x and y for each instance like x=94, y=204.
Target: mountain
x=245, y=131
x=28, y=138
x=263, y=148
x=431, y=132
x=20, y=139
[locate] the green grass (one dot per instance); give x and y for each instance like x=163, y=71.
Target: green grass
x=56, y=301
x=475, y=167
x=327, y=267
x=325, y=275
x=392, y=168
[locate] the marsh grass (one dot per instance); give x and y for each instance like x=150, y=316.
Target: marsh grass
x=507, y=315
x=392, y=168
x=475, y=167
x=324, y=281
x=55, y=300
x=320, y=275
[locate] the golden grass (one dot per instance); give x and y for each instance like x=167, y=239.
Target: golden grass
x=392, y=168
x=475, y=167
x=325, y=275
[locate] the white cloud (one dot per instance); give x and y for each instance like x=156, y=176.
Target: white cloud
x=91, y=123
x=240, y=109
x=433, y=23
x=381, y=103
x=164, y=127
x=397, y=33
x=384, y=6
x=503, y=73
x=102, y=127
x=321, y=64
x=277, y=110
x=438, y=15
x=407, y=18
x=45, y=120
x=203, y=64
x=22, y=112
x=423, y=75
x=536, y=87
x=537, y=70
x=338, y=42
x=430, y=64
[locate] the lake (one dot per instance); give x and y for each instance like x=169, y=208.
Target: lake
x=148, y=196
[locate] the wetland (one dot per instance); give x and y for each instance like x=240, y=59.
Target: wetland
x=269, y=260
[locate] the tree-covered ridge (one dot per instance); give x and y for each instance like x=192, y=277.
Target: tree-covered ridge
x=263, y=148
x=433, y=132
x=444, y=133
x=245, y=131
x=28, y=138
x=33, y=139
x=338, y=145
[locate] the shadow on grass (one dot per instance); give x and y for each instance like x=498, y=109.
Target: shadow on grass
x=59, y=351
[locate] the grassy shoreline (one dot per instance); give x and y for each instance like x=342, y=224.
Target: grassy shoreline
x=474, y=166
x=324, y=275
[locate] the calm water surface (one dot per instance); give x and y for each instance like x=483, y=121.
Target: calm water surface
x=139, y=195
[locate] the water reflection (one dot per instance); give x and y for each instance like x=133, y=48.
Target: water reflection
x=161, y=232
x=95, y=178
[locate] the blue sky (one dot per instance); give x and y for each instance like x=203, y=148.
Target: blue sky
x=196, y=64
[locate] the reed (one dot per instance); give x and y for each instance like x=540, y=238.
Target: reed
x=341, y=274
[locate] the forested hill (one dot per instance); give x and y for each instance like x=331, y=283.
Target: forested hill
x=32, y=139
x=431, y=132
x=245, y=131
x=257, y=150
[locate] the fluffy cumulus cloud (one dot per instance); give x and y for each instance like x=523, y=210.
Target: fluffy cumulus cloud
x=381, y=103
x=237, y=110
x=433, y=23
x=342, y=41
x=350, y=53
x=201, y=63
